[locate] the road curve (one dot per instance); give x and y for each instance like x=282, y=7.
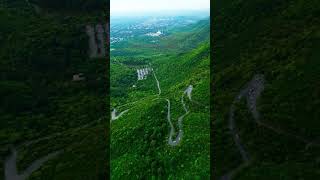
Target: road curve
x=251, y=92
x=10, y=164
x=113, y=113
x=11, y=172
x=114, y=116
x=177, y=139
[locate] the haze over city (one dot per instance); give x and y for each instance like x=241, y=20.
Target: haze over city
x=157, y=7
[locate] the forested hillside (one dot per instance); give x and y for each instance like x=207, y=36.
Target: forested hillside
x=82, y=6
x=266, y=89
x=173, y=94
x=47, y=113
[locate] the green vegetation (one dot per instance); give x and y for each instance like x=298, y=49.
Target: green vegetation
x=279, y=39
x=73, y=5
x=139, y=138
x=40, y=52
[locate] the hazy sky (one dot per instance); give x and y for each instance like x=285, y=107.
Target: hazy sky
x=140, y=6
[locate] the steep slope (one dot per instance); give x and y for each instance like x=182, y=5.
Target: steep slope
x=280, y=40
x=143, y=142
x=43, y=109
x=187, y=38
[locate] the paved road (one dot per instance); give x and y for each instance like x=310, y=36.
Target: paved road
x=172, y=141
x=11, y=172
x=158, y=84
x=251, y=92
x=176, y=141
x=114, y=116
x=145, y=71
x=10, y=164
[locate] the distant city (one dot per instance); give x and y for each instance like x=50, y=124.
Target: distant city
x=153, y=27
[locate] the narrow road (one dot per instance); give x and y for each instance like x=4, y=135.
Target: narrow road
x=252, y=92
x=11, y=172
x=172, y=141
x=10, y=164
x=178, y=138
x=36, y=7
x=158, y=84
x=114, y=116
x=113, y=113
x=131, y=103
x=188, y=91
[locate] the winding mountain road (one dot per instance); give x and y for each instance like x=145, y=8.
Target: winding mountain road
x=172, y=141
x=11, y=172
x=178, y=138
x=252, y=92
x=10, y=164
x=175, y=141
x=114, y=111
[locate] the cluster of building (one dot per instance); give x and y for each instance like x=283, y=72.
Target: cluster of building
x=143, y=73
x=115, y=40
x=158, y=33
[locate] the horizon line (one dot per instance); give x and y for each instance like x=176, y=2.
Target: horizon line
x=164, y=12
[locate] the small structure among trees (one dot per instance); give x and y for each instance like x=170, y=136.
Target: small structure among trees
x=78, y=77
